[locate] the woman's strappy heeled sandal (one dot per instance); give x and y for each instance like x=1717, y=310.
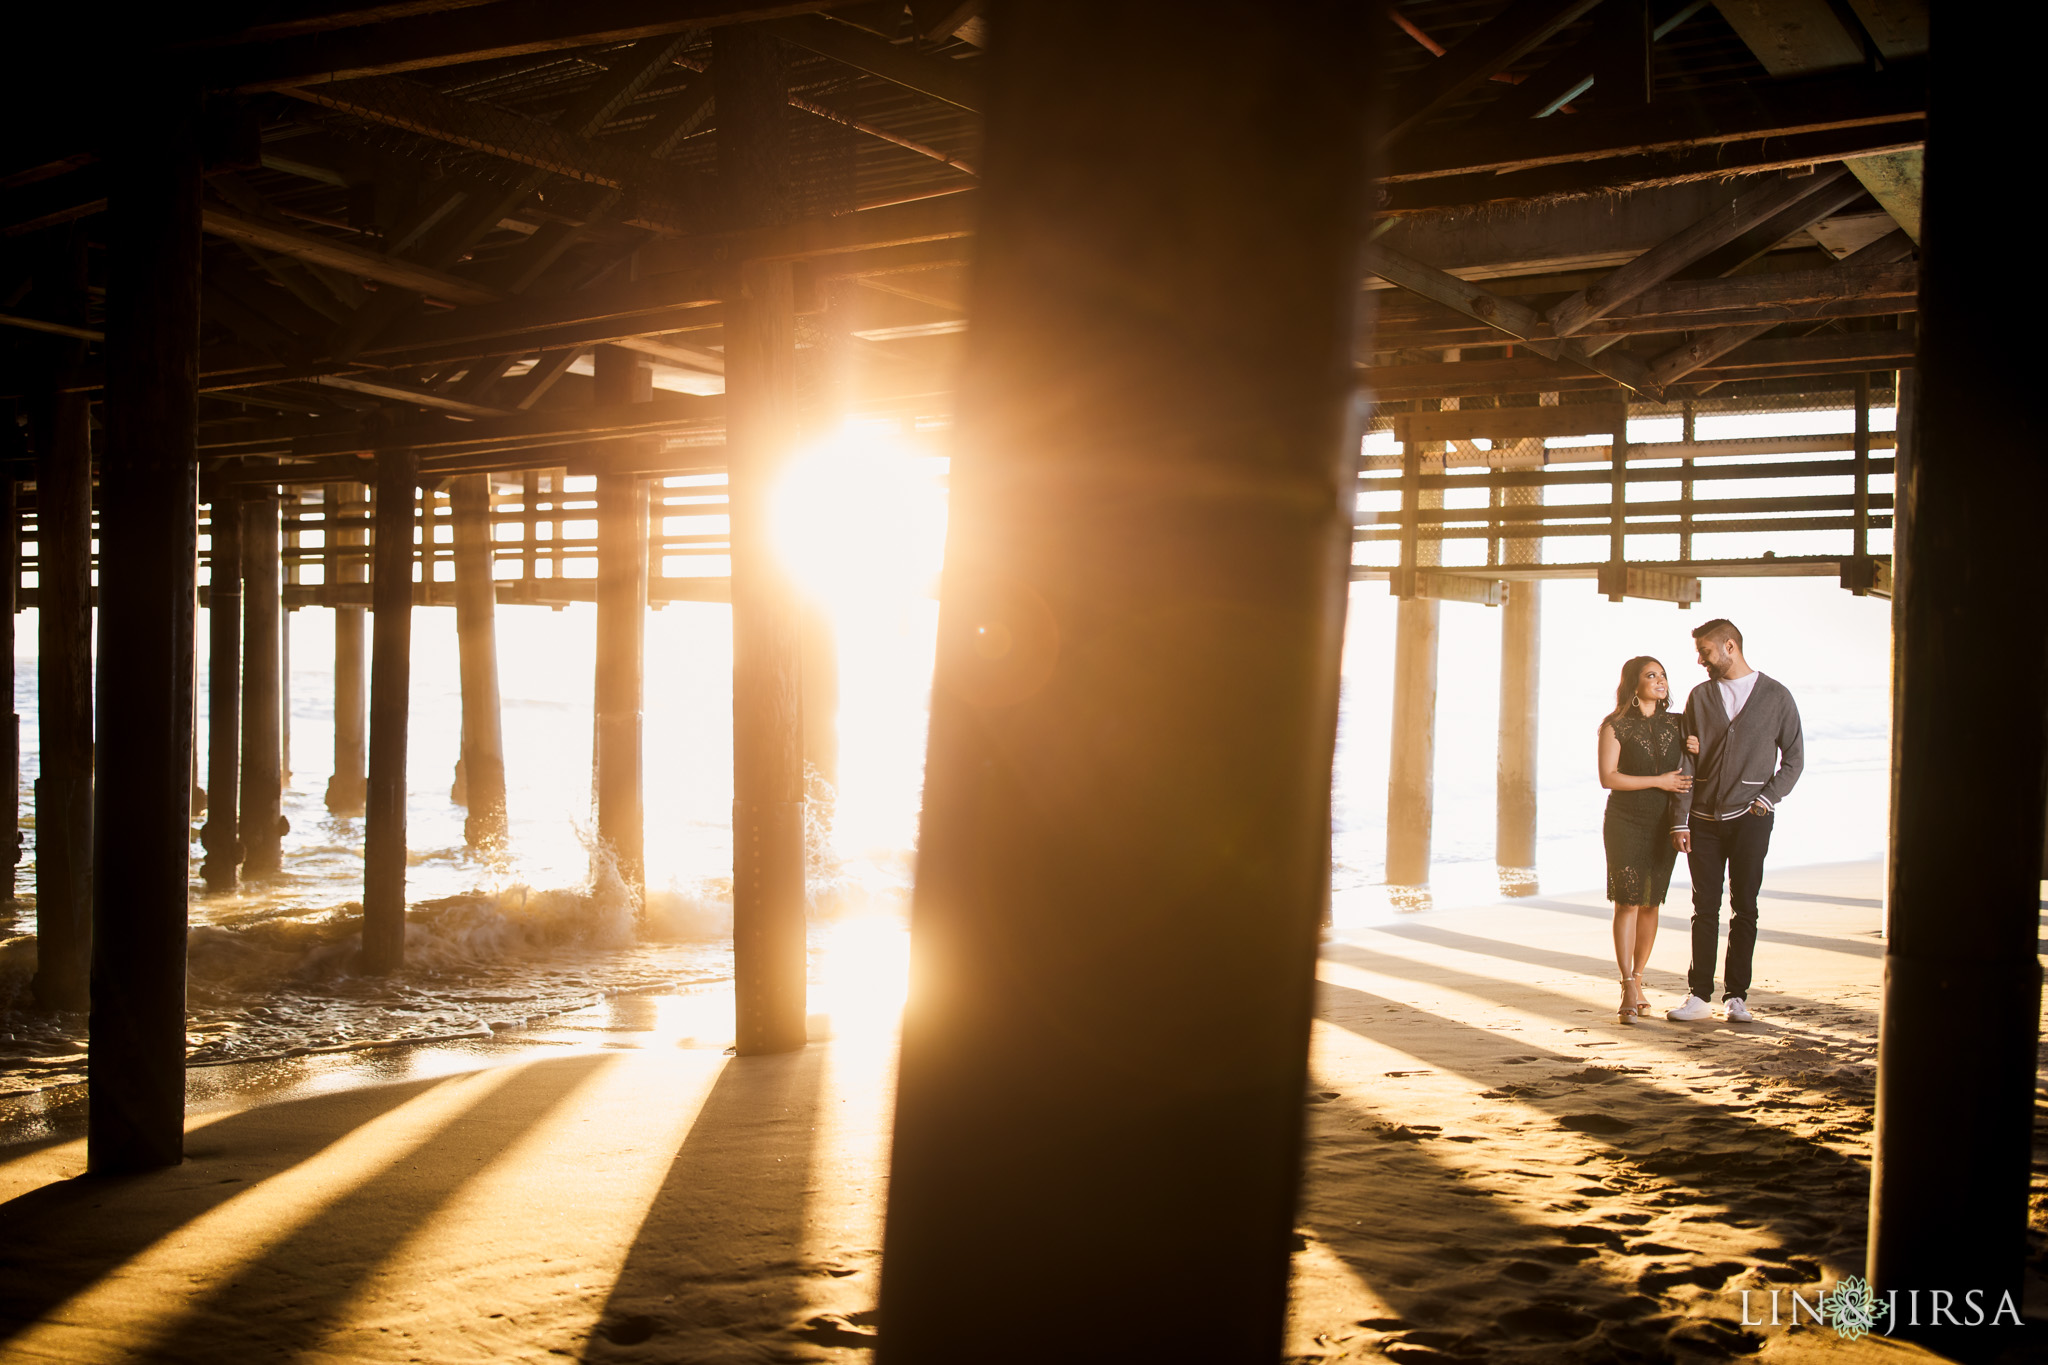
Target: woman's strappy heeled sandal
x=1626, y=1012
x=1642, y=1001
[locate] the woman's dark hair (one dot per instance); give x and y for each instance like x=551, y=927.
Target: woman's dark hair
x=1631, y=679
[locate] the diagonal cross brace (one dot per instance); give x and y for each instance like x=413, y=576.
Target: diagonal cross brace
x=1507, y=315
x=1680, y=250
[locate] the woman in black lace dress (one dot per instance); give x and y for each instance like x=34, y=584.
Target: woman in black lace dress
x=1641, y=747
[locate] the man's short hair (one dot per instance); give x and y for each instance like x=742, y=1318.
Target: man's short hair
x=1718, y=630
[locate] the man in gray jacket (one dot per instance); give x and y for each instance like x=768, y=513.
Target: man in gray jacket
x=1748, y=756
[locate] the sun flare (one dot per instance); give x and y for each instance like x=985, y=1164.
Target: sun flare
x=862, y=515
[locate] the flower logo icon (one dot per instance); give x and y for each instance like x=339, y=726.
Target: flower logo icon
x=1851, y=1307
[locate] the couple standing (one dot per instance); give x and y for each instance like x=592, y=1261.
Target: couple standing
x=1708, y=787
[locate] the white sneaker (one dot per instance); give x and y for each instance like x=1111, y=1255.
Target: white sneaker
x=1692, y=1008
x=1738, y=1013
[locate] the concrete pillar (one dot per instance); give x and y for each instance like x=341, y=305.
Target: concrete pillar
x=148, y=557
x=476, y=629
x=221, y=834
x=761, y=426
x=262, y=815
x=621, y=376
x=351, y=698
x=63, y=794
x=1134, y=712
x=1956, y=1066
x=390, y=715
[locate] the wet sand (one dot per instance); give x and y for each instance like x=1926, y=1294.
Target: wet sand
x=1497, y=1171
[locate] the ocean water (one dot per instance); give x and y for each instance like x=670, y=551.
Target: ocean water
x=546, y=926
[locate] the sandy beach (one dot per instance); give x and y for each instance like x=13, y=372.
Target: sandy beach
x=1497, y=1170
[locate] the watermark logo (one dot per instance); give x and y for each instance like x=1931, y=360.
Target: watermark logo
x=1855, y=1310
x=1851, y=1308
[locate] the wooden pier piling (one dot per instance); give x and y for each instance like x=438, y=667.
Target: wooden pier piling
x=761, y=426
x=1957, y=1065
x=63, y=792
x=10, y=739
x=148, y=557
x=351, y=697
x=621, y=377
x=820, y=649
x=384, y=848
x=1521, y=640
x=262, y=788
x=1125, y=828
x=476, y=632
x=221, y=835
x=1411, y=765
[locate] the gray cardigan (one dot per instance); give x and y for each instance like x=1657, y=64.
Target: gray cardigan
x=1736, y=759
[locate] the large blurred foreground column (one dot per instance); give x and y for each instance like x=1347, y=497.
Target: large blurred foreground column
x=1956, y=1064
x=1125, y=824
x=147, y=585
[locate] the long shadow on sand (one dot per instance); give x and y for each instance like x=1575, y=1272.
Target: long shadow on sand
x=1682, y=924
x=57, y=1240
x=1388, y=964
x=1469, y=1278
x=717, y=1268
x=1673, y=1149
x=284, y=1302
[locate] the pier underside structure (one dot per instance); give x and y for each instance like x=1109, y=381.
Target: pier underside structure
x=572, y=282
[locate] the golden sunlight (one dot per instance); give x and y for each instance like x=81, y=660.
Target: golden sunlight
x=860, y=516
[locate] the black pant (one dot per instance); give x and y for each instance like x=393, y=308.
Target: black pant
x=1735, y=848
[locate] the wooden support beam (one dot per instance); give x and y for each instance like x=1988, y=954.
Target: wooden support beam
x=1475, y=589
x=59, y=424
x=667, y=196
x=481, y=767
x=760, y=347
x=1875, y=271
x=1669, y=257
x=405, y=393
x=943, y=78
x=148, y=552
x=1750, y=113
x=1510, y=424
x=1494, y=47
x=1618, y=581
x=326, y=251
x=506, y=28
x=1087, y=658
x=384, y=848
